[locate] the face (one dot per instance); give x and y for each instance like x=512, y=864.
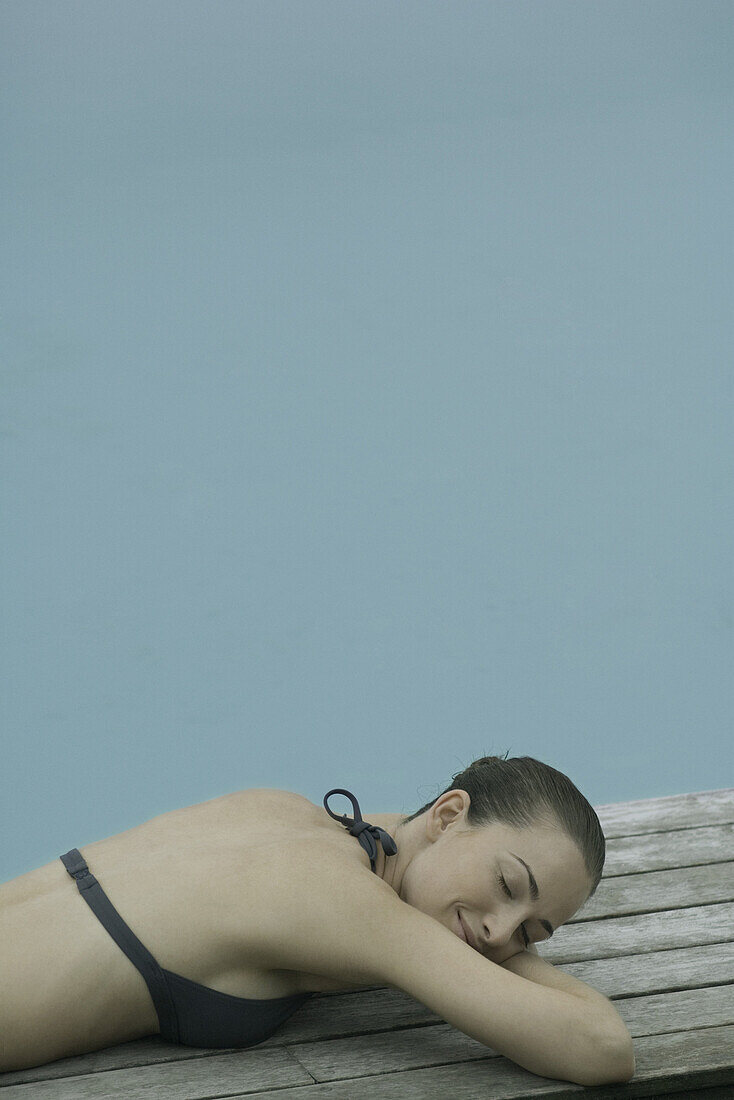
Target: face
x=474, y=882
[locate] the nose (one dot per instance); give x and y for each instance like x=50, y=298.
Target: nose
x=499, y=929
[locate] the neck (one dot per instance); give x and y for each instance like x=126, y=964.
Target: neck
x=392, y=868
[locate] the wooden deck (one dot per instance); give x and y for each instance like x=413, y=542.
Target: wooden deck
x=657, y=938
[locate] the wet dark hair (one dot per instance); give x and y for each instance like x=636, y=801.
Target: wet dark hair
x=522, y=792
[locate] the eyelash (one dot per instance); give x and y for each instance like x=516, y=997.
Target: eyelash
x=505, y=887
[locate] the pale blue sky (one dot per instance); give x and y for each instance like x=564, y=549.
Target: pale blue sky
x=366, y=401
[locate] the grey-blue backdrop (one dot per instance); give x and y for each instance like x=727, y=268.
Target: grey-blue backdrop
x=366, y=401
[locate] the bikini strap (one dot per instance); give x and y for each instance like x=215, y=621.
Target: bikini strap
x=367, y=834
x=126, y=940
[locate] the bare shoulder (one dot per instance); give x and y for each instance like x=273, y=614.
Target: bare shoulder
x=323, y=912
x=315, y=907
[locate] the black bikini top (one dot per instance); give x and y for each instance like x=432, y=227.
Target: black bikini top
x=367, y=834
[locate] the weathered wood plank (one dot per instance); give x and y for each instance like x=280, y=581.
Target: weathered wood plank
x=194, y=1079
x=655, y=851
x=653, y=891
x=391, y=1051
x=657, y=971
x=724, y=1092
x=672, y=812
x=679, y=1011
x=412, y=1048
x=681, y=1063
x=140, y=1052
x=602, y=939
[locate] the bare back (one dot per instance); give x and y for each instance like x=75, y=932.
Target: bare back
x=192, y=884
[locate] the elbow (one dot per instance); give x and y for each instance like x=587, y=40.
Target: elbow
x=614, y=1062
x=621, y=1064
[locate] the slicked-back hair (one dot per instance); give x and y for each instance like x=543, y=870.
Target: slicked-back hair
x=521, y=792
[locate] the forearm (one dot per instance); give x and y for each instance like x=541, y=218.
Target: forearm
x=567, y=1037
x=530, y=965
x=600, y=1014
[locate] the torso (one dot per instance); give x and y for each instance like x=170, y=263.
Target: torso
x=187, y=883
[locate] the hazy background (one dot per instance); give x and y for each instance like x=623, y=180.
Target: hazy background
x=366, y=401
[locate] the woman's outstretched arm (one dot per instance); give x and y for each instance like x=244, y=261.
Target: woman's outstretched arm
x=358, y=929
x=539, y=1020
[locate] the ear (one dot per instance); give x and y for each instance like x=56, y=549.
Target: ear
x=446, y=810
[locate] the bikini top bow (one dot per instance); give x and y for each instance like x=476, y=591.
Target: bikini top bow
x=367, y=834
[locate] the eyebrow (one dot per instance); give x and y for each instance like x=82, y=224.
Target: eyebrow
x=535, y=893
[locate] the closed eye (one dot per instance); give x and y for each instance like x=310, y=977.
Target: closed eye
x=505, y=887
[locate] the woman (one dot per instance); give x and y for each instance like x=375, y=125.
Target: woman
x=212, y=924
